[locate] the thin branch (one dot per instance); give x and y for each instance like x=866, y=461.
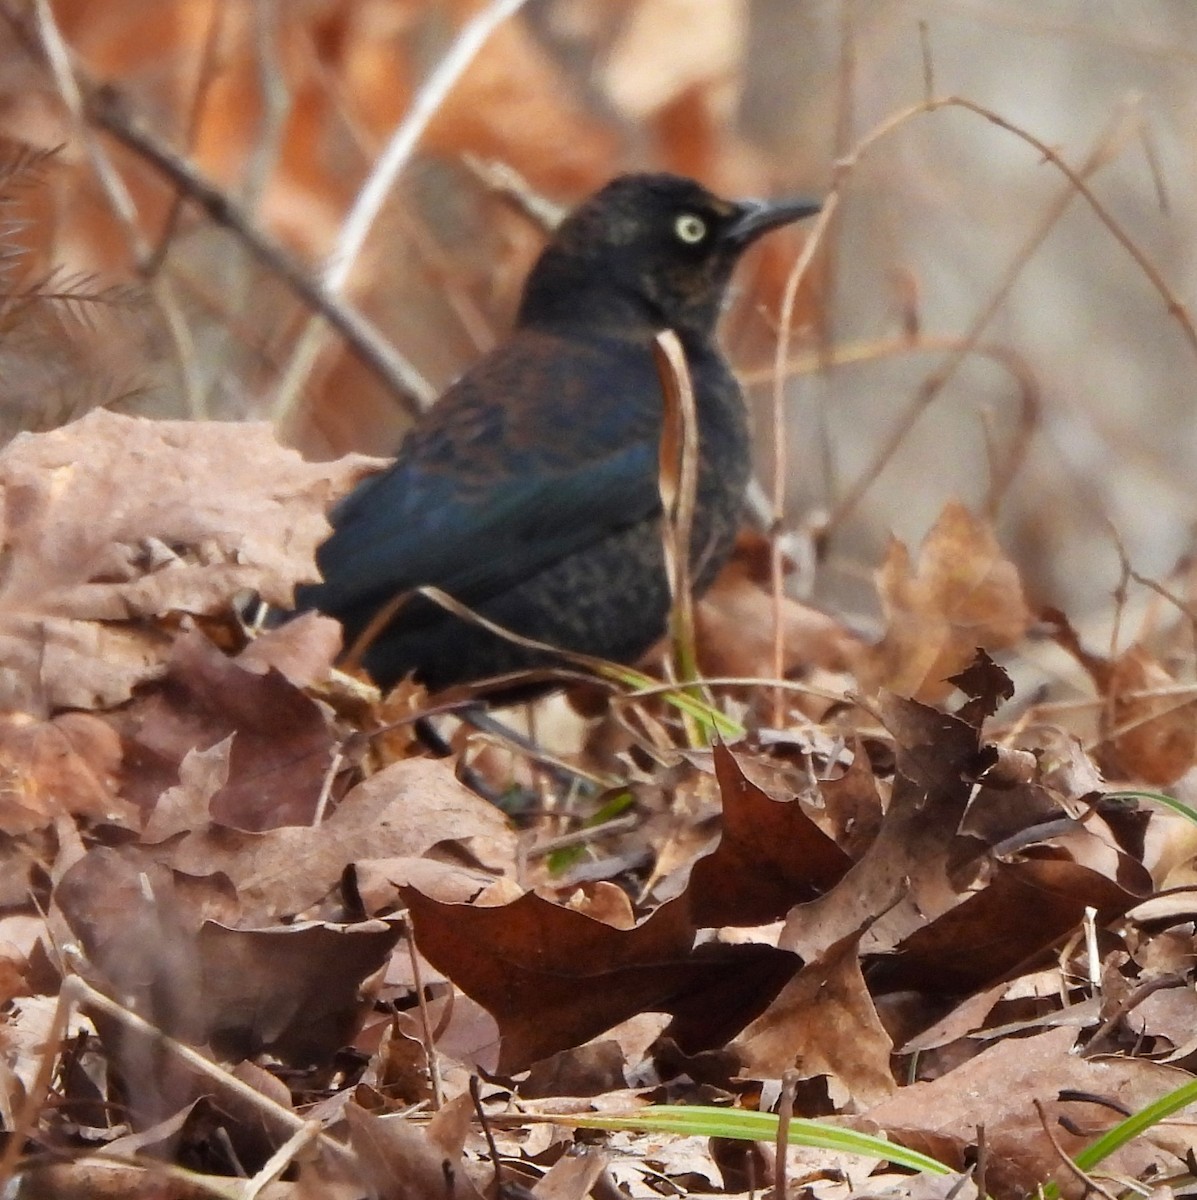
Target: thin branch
x=379, y=185
x=407, y=135
x=76, y=991
x=937, y=381
x=72, y=89
x=1087, y=1180
x=105, y=109
x=855, y=353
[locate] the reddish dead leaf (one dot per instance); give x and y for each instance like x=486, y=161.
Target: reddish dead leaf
x=112, y=519
x=510, y=104
x=302, y=650
x=823, y=1023
x=770, y=855
x=1153, y=737
x=282, y=744
x=647, y=68
x=67, y=765
x=553, y=978
x=1027, y=906
x=962, y=594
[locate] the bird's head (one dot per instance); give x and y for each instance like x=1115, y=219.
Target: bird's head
x=656, y=249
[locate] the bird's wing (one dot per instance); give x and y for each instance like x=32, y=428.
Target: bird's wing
x=413, y=526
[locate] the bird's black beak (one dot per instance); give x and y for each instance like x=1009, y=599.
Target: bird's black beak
x=759, y=216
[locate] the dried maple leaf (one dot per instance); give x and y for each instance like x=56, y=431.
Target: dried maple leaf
x=112, y=520
x=962, y=594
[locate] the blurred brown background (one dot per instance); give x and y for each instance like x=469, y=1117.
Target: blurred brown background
x=1079, y=379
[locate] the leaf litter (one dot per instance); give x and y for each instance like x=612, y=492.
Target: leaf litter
x=272, y=924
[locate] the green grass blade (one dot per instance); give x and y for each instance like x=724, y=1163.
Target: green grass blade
x=699, y=1121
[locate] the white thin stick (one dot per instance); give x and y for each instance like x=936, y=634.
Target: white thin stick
x=370, y=199
x=406, y=137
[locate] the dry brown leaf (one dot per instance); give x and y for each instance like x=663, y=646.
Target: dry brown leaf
x=649, y=66
x=406, y=809
x=68, y=764
x=403, y=1160
x=771, y=855
x=997, y=1088
x=1149, y=722
x=1153, y=737
x=962, y=594
x=302, y=650
x=903, y=877
x=112, y=519
x=1027, y=905
x=589, y=1070
x=823, y=1023
x=292, y=990
x=572, y=1177
x=282, y=742
x=734, y=623
x=553, y=978
x=379, y=880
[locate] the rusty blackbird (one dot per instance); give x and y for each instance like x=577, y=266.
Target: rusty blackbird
x=529, y=491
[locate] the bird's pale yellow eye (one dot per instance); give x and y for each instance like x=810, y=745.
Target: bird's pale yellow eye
x=690, y=228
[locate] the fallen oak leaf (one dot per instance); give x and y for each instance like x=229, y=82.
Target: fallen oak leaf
x=903, y=877
x=553, y=977
x=771, y=855
x=823, y=1022
x=1028, y=904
